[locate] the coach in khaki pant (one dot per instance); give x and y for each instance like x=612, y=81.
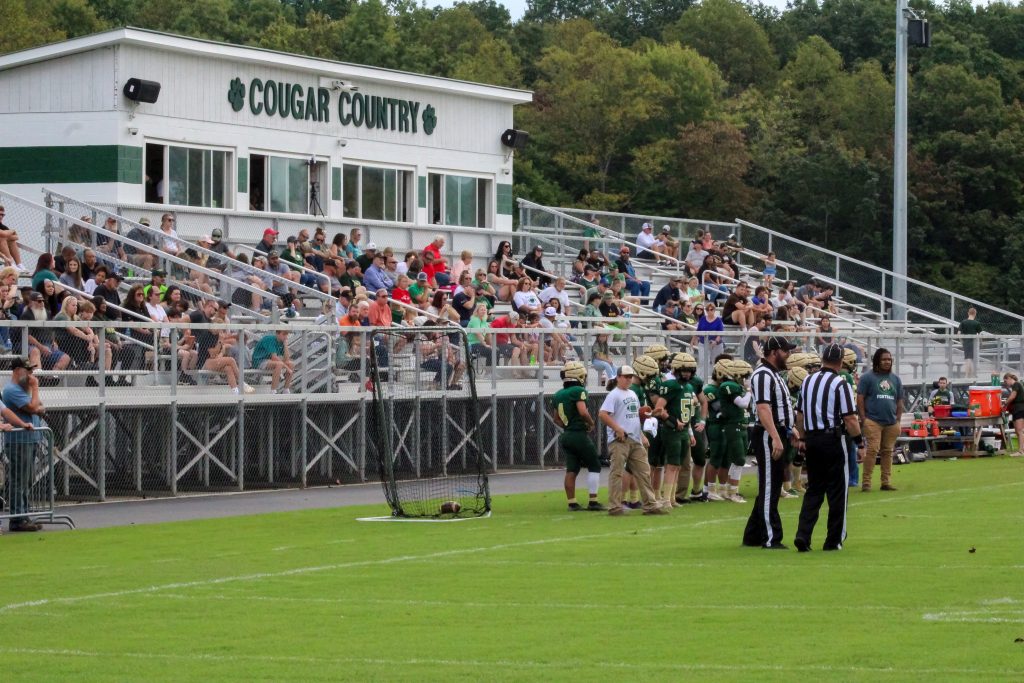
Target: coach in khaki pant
x=880, y=405
x=620, y=413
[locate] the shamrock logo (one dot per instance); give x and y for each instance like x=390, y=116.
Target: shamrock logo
x=236, y=94
x=429, y=120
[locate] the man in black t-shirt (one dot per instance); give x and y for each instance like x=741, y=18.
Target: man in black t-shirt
x=971, y=326
x=738, y=310
x=266, y=245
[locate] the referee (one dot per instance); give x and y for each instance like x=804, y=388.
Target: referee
x=774, y=426
x=827, y=414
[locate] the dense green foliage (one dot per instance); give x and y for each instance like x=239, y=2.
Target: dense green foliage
x=926, y=589
x=711, y=110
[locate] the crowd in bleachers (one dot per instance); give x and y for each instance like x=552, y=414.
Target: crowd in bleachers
x=513, y=297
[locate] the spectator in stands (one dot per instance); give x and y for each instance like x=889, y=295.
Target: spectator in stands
x=556, y=343
x=352, y=277
x=53, y=295
x=479, y=342
x=464, y=263
x=504, y=287
x=402, y=267
x=133, y=355
x=805, y=294
x=825, y=332
x=609, y=308
x=276, y=266
x=221, y=248
x=296, y=261
x=438, y=308
x=157, y=279
x=271, y=355
x=109, y=333
x=401, y=290
x=710, y=280
x=169, y=242
x=782, y=298
x=687, y=316
x=81, y=344
x=526, y=300
x=44, y=270
x=266, y=245
x=590, y=278
x=534, y=263
x=738, y=309
x=672, y=313
x=601, y=359
x=556, y=291
x=433, y=348
x=438, y=264
x=503, y=254
x=186, y=350
x=376, y=276
x=380, y=309
x=61, y=259
x=171, y=298
x=9, y=251
x=43, y=349
x=693, y=293
x=368, y=256
x=940, y=394
x=157, y=313
x=136, y=255
x=707, y=242
x=648, y=247
x=510, y=346
x=670, y=292
x=22, y=408
x=435, y=275
x=8, y=301
x=636, y=286
x=72, y=275
x=420, y=291
x=669, y=245
x=89, y=264
x=211, y=356
x=969, y=328
x=352, y=249
x=99, y=276
x=710, y=322
x=761, y=301
x=86, y=311
x=112, y=246
x=464, y=300
x=770, y=268
x=753, y=347
x=592, y=309
x=108, y=290
x=484, y=288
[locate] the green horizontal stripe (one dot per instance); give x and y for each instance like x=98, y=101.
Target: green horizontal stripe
x=89, y=164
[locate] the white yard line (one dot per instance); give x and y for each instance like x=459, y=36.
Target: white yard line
x=576, y=665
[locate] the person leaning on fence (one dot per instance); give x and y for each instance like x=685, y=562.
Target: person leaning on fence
x=627, y=445
x=22, y=410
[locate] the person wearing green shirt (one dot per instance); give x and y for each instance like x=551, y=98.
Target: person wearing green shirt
x=271, y=355
x=569, y=411
x=479, y=346
x=419, y=291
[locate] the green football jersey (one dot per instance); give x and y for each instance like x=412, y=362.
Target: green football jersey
x=730, y=412
x=849, y=378
x=673, y=393
x=714, y=403
x=641, y=395
x=565, y=401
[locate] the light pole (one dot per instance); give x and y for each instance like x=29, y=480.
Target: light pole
x=899, y=170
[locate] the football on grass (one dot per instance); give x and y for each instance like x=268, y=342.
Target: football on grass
x=450, y=507
x=645, y=412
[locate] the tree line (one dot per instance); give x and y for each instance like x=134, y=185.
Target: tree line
x=712, y=110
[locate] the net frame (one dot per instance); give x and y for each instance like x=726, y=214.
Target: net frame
x=416, y=494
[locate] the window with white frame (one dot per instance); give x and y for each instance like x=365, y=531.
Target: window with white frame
x=458, y=200
x=372, y=193
x=189, y=176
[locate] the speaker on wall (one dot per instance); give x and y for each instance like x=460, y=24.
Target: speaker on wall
x=919, y=32
x=516, y=139
x=138, y=90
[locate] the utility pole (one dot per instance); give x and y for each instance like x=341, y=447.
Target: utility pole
x=899, y=171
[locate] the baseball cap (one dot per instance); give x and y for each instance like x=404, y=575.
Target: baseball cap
x=273, y=254
x=833, y=353
x=20, y=362
x=217, y=233
x=550, y=310
x=114, y=274
x=513, y=316
x=292, y=239
x=537, y=247
x=778, y=344
x=665, y=228
x=645, y=226
x=145, y=221
x=422, y=277
x=204, y=238
x=35, y=296
x=626, y=371
x=269, y=231
x=372, y=246
x=158, y=273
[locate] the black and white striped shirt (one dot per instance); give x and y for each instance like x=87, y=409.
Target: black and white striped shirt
x=768, y=388
x=825, y=398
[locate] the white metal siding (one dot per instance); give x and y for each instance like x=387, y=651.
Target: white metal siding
x=76, y=83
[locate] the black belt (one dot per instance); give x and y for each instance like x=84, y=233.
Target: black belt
x=835, y=431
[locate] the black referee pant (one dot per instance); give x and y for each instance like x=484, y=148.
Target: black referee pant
x=764, y=527
x=827, y=476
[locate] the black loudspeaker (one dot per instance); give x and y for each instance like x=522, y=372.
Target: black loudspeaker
x=138, y=90
x=919, y=32
x=516, y=139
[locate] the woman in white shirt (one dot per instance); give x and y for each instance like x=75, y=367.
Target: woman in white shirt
x=525, y=297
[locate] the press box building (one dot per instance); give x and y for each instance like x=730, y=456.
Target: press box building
x=247, y=130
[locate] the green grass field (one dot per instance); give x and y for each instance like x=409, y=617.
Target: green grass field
x=534, y=593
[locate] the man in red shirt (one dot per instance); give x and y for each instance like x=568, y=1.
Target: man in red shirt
x=438, y=265
x=509, y=346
